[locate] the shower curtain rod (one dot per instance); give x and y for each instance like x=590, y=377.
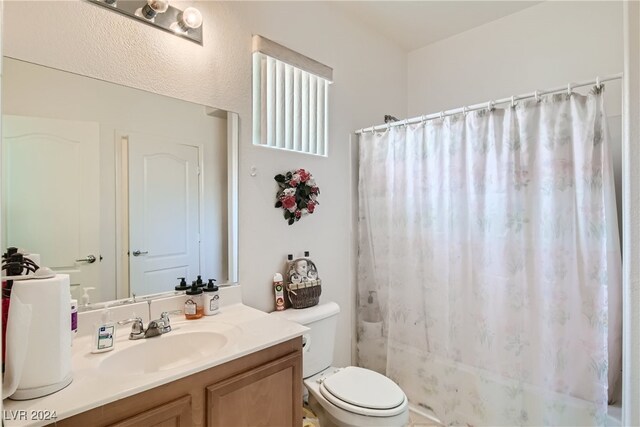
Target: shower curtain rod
x=491, y=104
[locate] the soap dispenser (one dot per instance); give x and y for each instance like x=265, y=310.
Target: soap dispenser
x=86, y=299
x=193, y=308
x=199, y=282
x=183, y=285
x=104, y=334
x=211, y=298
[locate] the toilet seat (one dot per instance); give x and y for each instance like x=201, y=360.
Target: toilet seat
x=363, y=392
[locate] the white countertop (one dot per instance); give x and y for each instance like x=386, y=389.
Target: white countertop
x=247, y=330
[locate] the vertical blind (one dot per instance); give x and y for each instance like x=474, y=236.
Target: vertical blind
x=289, y=106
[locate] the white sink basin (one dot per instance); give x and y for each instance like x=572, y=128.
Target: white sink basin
x=162, y=353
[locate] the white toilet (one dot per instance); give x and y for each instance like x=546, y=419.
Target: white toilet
x=344, y=397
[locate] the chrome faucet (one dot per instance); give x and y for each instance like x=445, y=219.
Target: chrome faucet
x=155, y=328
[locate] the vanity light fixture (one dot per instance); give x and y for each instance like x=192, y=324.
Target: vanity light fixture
x=185, y=23
x=189, y=19
x=152, y=8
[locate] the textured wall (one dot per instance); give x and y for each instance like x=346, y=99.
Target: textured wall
x=370, y=81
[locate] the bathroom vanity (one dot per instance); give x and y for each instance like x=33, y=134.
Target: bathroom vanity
x=237, y=393
x=238, y=368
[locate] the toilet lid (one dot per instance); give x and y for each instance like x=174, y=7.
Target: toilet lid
x=364, y=388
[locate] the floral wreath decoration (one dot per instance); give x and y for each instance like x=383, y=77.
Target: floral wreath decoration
x=298, y=194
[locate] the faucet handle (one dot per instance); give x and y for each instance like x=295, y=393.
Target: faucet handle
x=137, y=327
x=166, y=322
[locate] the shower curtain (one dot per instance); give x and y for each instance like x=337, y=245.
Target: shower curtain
x=490, y=239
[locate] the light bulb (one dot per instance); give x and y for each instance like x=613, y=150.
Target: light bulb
x=152, y=8
x=190, y=18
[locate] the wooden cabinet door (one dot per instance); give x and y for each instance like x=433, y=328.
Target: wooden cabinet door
x=268, y=395
x=176, y=413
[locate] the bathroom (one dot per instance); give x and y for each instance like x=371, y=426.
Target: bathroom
x=404, y=59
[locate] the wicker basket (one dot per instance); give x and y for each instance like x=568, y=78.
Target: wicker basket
x=303, y=296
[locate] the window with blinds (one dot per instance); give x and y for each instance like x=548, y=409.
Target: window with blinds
x=290, y=98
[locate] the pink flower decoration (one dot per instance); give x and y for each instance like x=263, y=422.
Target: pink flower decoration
x=311, y=207
x=289, y=202
x=297, y=195
x=304, y=175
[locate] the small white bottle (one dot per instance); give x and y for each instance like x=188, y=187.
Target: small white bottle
x=104, y=334
x=211, y=298
x=86, y=299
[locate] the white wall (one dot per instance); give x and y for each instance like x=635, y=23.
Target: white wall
x=543, y=46
x=370, y=81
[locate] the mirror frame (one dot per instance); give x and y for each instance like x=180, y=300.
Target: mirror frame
x=233, y=130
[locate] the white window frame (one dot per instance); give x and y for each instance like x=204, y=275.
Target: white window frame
x=290, y=99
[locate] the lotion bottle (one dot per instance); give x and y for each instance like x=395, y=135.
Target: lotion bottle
x=193, y=308
x=104, y=334
x=211, y=298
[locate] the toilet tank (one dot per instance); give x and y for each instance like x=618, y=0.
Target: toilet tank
x=318, y=342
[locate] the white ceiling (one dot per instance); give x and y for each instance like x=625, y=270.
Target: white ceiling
x=414, y=24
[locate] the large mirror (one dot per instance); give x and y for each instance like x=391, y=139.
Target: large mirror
x=122, y=189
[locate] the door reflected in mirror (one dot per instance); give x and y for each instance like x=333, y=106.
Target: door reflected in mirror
x=135, y=180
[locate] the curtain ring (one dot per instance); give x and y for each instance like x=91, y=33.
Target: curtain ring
x=388, y=127
x=569, y=90
x=513, y=101
x=598, y=83
x=423, y=120
x=442, y=115
x=405, y=123
x=464, y=110
x=491, y=105
x=536, y=95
